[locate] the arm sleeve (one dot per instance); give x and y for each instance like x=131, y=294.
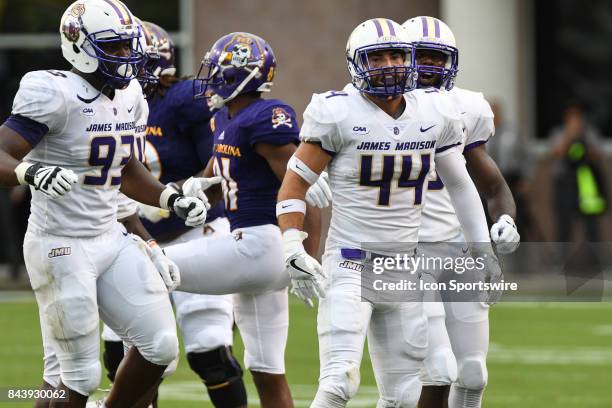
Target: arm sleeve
x=463, y=193
x=38, y=107
x=275, y=124
x=484, y=128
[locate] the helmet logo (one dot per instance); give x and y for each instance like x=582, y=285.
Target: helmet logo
x=77, y=10
x=281, y=117
x=240, y=55
x=71, y=28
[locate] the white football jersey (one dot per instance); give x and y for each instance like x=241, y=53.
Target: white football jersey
x=380, y=166
x=439, y=221
x=93, y=137
x=125, y=205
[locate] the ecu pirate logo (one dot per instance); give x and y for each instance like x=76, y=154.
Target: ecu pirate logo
x=281, y=117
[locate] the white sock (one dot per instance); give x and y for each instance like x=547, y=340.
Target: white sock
x=325, y=399
x=461, y=397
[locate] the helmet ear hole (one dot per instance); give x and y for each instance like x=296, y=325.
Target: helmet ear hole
x=75, y=49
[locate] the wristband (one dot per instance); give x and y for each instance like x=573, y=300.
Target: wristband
x=167, y=198
x=23, y=175
x=290, y=206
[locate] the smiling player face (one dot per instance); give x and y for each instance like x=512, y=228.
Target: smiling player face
x=430, y=58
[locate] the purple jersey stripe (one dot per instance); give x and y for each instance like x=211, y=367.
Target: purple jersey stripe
x=379, y=29
x=437, y=27
x=472, y=145
x=444, y=148
x=27, y=128
x=391, y=29
x=119, y=13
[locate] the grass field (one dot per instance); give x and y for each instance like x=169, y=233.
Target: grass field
x=542, y=355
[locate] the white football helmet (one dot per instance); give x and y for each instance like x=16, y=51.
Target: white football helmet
x=379, y=34
x=430, y=33
x=88, y=27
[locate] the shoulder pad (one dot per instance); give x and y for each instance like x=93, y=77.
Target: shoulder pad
x=474, y=103
x=329, y=107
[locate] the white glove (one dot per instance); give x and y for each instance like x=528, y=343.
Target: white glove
x=306, y=273
x=167, y=269
x=53, y=181
x=320, y=194
x=195, y=187
x=505, y=235
x=491, y=271
x=152, y=214
x=191, y=209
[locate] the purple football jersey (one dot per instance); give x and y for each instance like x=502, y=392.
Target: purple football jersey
x=249, y=185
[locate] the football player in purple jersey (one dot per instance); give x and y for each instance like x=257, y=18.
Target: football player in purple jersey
x=253, y=141
x=179, y=145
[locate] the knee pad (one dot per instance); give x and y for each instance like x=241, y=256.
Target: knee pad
x=345, y=385
x=113, y=354
x=409, y=392
x=215, y=367
x=440, y=367
x=472, y=372
x=407, y=396
x=163, y=349
x=222, y=375
x=83, y=379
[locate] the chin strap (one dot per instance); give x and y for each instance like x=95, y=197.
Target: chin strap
x=217, y=102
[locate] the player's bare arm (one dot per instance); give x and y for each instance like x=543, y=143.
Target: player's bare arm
x=464, y=195
x=140, y=185
x=278, y=157
x=502, y=208
x=294, y=187
x=13, y=148
x=53, y=181
x=306, y=273
x=490, y=182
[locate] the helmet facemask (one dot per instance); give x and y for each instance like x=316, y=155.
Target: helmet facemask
x=118, y=70
x=444, y=75
x=380, y=80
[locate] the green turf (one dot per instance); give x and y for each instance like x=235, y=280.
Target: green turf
x=552, y=355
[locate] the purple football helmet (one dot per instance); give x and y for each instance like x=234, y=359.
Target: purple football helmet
x=236, y=64
x=159, y=38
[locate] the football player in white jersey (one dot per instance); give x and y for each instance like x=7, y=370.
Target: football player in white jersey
x=459, y=354
x=70, y=137
x=379, y=145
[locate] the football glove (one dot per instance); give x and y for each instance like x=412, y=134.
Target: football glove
x=320, y=194
x=191, y=209
x=196, y=186
x=305, y=272
x=491, y=271
x=52, y=181
x=167, y=269
x=505, y=235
